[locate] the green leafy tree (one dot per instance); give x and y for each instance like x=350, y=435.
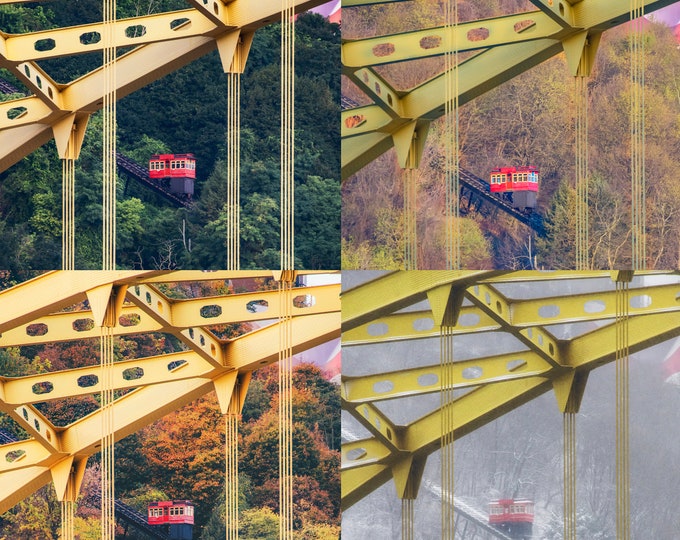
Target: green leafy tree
x=558, y=249
x=259, y=524
x=37, y=517
x=317, y=210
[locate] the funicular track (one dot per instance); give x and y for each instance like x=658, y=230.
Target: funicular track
x=8, y=88
x=130, y=167
x=471, y=524
x=475, y=192
x=124, y=512
x=130, y=516
x=141, y=174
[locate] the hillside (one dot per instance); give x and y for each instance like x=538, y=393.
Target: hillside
x=186, y=112
x=527, y=121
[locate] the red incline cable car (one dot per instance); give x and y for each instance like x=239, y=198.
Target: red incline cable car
x=180, y=169
x=171, y=512
x=514, y=517
x=519, y=185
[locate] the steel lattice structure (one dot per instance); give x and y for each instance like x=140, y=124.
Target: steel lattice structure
x=500, y=49
x=517, y=335
x=157, y=45
x=42, y=310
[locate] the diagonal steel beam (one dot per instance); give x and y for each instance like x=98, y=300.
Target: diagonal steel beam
x=426, y=380
x=468, y=36
x=159, y=307
x=536, y=338
x=423, y=437
x=34, y=298
x=394, y=291
x=479, y=74
x=85, y=380
x=146, y=63
x=415, y=325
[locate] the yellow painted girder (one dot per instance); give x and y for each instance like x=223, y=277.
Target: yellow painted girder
x=382, y=92
x=377, y=423
x=560, y=12
x=18, y=484
x=426, y=380
x=34, y=298
x=494, y=304
x=39, y=83
x=155, y=370
x=132, y=412
x=363, y=120
x=595, y=348
x=67, y=41
x=62, y=327
x=234, y=308
x=139, y=67
x=415, y=325
x=393, y=291
x=261, y=347
x=593, y=306
x=22, y=454
x=216, y=11
x=34, y=423
x=28, y=110
x=481, y=73
x=359, y=454
x=435, y=42
x=158, y=307
x=353, y=481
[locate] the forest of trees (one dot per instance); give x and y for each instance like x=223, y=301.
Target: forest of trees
x=181, y=456
x=519, y=455
x=527, y=120
x=186, y=112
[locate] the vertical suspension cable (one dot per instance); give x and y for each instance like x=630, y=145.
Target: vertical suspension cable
x=285, y=408
x=451, y=129
x=108, y=263
x=410, y=214
x=637, y=134
x=581, y=151
x=447, y=425
x=109, y=138
x=231, y=464
x=569, y=495
x=622, y=413
x=233, y=164
x=68, y=208
x=67, y=519
x=287, y=266
x=407, y=528
x=107, y=440
x=287, y=134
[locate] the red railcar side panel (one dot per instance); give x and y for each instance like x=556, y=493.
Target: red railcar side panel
x=511, y=511
x=508, y=179
x=169, y=512
x=172, y=166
